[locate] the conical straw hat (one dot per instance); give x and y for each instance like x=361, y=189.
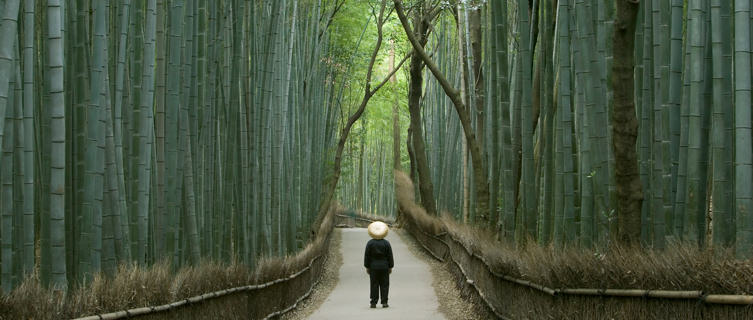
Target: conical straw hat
x=378, y=230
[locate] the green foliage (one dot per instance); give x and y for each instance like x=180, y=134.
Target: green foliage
x=350, y=63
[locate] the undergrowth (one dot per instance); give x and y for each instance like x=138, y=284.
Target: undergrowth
x=133, y=286
x=678, y=267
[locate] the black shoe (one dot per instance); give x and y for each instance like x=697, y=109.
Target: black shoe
x=373, y=305
x=385, y=305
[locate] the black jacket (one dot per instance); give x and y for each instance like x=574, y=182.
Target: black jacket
x=378, y=255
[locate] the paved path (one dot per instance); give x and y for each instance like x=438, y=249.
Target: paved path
x=411, y=294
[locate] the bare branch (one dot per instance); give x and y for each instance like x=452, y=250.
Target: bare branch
x=448, y=88
x=391, y=73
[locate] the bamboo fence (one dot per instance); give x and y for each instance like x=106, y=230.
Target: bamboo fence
x=445, y=246
x=257, y=306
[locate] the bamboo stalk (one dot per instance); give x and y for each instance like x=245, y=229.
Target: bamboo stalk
x=728, y=299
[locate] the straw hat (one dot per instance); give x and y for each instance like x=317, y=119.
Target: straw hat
x=378, y=230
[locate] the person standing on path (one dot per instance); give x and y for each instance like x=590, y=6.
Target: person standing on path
x=378, y=262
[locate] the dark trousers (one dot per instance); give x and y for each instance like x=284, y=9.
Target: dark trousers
x=380, y=283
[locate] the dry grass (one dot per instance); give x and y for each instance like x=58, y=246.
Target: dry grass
x=327, y=281
x=130, y=287
x=414, y=212
x=133, y=286
x=679, y=267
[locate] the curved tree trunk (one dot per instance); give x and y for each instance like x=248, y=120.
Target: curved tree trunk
x=331, y=182
x=415, y=89
x=479, y=173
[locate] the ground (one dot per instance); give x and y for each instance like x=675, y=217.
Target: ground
x=328, y=281
x=417, y=285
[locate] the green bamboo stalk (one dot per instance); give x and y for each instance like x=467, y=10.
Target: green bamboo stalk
x=208, y=175
x=42, y=163
x=160, y=215
x=29, y=137
x=695, y=217
x=528, y=202
x=118, y=133
x=644, y=103
x=245, y=182
x=80, y=234
x=57, y=163
x=8, y=252
x=591, y=192
x=721, y=123
x=112, y=232
x=172, y=106
x=743, y=154
x=192, y=232
x=682, y=171
x=658, y=186
x=8, y=35
x=20, y=237
x=643, y=100
x=146, y=132
x=675, y=98
x=546, y=133
x=508, y=184
x=288, y=114
x=90, y=262
x=564, y=197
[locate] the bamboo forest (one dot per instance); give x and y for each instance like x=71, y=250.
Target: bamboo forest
x=219, y=158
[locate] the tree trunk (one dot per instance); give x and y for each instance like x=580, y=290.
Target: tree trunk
x=396, y=165
x=479, y=173
x=625, y=126
x=331, y=184
x=395, y=115
x=415, y=90
x=474, y=23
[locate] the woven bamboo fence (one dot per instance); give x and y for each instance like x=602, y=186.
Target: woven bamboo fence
x=255, y=301
x=357, y=221
x=513, y=298
x=260, y=301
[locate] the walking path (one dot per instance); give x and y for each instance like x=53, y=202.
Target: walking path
x=411, y=294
